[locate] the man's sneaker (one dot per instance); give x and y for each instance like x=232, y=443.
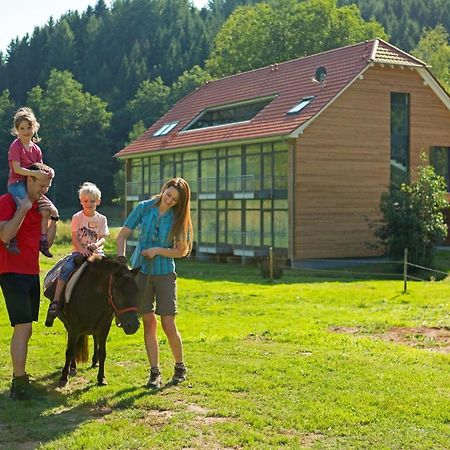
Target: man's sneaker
x=155, y=380
x=179, y=374
x=12, y=247
x=52, y=313
x=44, y=248
x=20, y=388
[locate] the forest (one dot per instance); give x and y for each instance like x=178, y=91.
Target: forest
x=97, y=79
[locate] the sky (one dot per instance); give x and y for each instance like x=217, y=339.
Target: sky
x=17, y=18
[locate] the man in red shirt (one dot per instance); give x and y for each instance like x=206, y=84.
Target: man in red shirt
x=19, y=274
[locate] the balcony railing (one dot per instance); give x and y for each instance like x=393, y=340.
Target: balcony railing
x=241, y=243
x=242, y=186
x=143, y=190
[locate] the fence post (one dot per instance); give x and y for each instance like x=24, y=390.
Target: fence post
x=271, y=263
x=405, y=270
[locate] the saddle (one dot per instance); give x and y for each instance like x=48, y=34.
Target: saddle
x=51, y=278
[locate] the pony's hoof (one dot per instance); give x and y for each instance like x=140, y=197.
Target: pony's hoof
x=102, y=382
x=63, y=383
x=72, y=372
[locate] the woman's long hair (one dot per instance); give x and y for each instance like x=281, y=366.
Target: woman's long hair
x=182, y=227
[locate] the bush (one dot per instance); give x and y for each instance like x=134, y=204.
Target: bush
x=412, y=218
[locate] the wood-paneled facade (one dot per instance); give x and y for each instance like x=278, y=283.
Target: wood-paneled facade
x=310, y=190
x=342, y=161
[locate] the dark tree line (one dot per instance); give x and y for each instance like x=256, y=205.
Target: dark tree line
x=404, y=20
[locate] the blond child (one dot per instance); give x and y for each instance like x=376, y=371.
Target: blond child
x=89, y=229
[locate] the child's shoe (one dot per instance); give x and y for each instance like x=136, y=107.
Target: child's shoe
x=12, y=247
x=52, y=313
x=44, y=247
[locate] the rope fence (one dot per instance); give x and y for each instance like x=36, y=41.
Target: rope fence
x=405, y=276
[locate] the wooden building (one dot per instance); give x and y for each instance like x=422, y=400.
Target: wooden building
x=296, y=155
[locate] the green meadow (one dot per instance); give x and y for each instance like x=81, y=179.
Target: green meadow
x=307, y=361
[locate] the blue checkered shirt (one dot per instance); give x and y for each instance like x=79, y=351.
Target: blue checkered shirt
x=153, y=232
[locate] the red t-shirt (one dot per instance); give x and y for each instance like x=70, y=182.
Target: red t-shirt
x=26, y=158
x=27, y=262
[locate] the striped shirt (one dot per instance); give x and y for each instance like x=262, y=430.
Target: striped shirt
x=153, y=232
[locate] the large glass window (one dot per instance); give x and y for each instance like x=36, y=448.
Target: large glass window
x=229, y=114
x=135, y=183
x=253, y=223
x=253, y=168
x=281, y=170
x=208, y=221
x=440, y=160
x=190, y=173
x=234, y=172
x=281, y=223
x=234, y=221
x=168, y=167
x=399, y=138
x=208, y=169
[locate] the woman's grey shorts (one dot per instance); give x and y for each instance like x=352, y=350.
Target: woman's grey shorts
x=157, y=293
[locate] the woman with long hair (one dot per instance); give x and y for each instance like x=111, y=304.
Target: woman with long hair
x=164, y=233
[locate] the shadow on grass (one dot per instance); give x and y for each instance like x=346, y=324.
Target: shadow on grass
x=57, y=412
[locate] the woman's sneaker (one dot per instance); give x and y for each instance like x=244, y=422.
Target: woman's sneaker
x=179, y=374
x=155, y=379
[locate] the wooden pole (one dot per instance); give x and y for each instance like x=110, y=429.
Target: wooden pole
x=271, y=263
x=405, y=270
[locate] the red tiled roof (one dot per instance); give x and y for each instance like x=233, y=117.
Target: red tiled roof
x=289, y=81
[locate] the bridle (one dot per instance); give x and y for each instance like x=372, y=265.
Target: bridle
x=118, y=311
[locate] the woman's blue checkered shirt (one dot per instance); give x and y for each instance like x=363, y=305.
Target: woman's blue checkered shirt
x=153, y=232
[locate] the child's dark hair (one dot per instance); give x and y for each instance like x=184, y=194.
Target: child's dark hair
x=27, y=114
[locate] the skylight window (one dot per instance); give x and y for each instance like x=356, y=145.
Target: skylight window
x=228, y=114
x=304, y=102
x=166, y=128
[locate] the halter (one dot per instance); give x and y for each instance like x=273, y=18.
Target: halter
x=117, y=311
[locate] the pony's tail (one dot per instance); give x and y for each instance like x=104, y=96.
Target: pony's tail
x=82, y=351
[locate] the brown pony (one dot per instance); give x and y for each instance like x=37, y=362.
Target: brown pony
x=105, y=289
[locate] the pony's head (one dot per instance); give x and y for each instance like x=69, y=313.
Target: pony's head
x=123, y=296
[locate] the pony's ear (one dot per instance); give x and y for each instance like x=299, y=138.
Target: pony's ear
x=135, y=271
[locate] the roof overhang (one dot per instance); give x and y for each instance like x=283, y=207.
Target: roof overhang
x=436, y=87
x=206, y=146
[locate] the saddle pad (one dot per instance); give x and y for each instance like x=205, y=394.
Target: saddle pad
x=53, y=273
x=73, y=279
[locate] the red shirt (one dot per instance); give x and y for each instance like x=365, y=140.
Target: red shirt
x=26, y=158
x=27, y=262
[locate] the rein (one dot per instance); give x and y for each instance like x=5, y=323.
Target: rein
x=117, y=311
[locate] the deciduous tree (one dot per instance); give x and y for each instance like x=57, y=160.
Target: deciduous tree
x=259, y=35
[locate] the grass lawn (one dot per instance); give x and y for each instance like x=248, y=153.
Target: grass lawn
x=304, y=362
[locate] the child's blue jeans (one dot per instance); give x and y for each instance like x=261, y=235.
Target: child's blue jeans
x=18, y=190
